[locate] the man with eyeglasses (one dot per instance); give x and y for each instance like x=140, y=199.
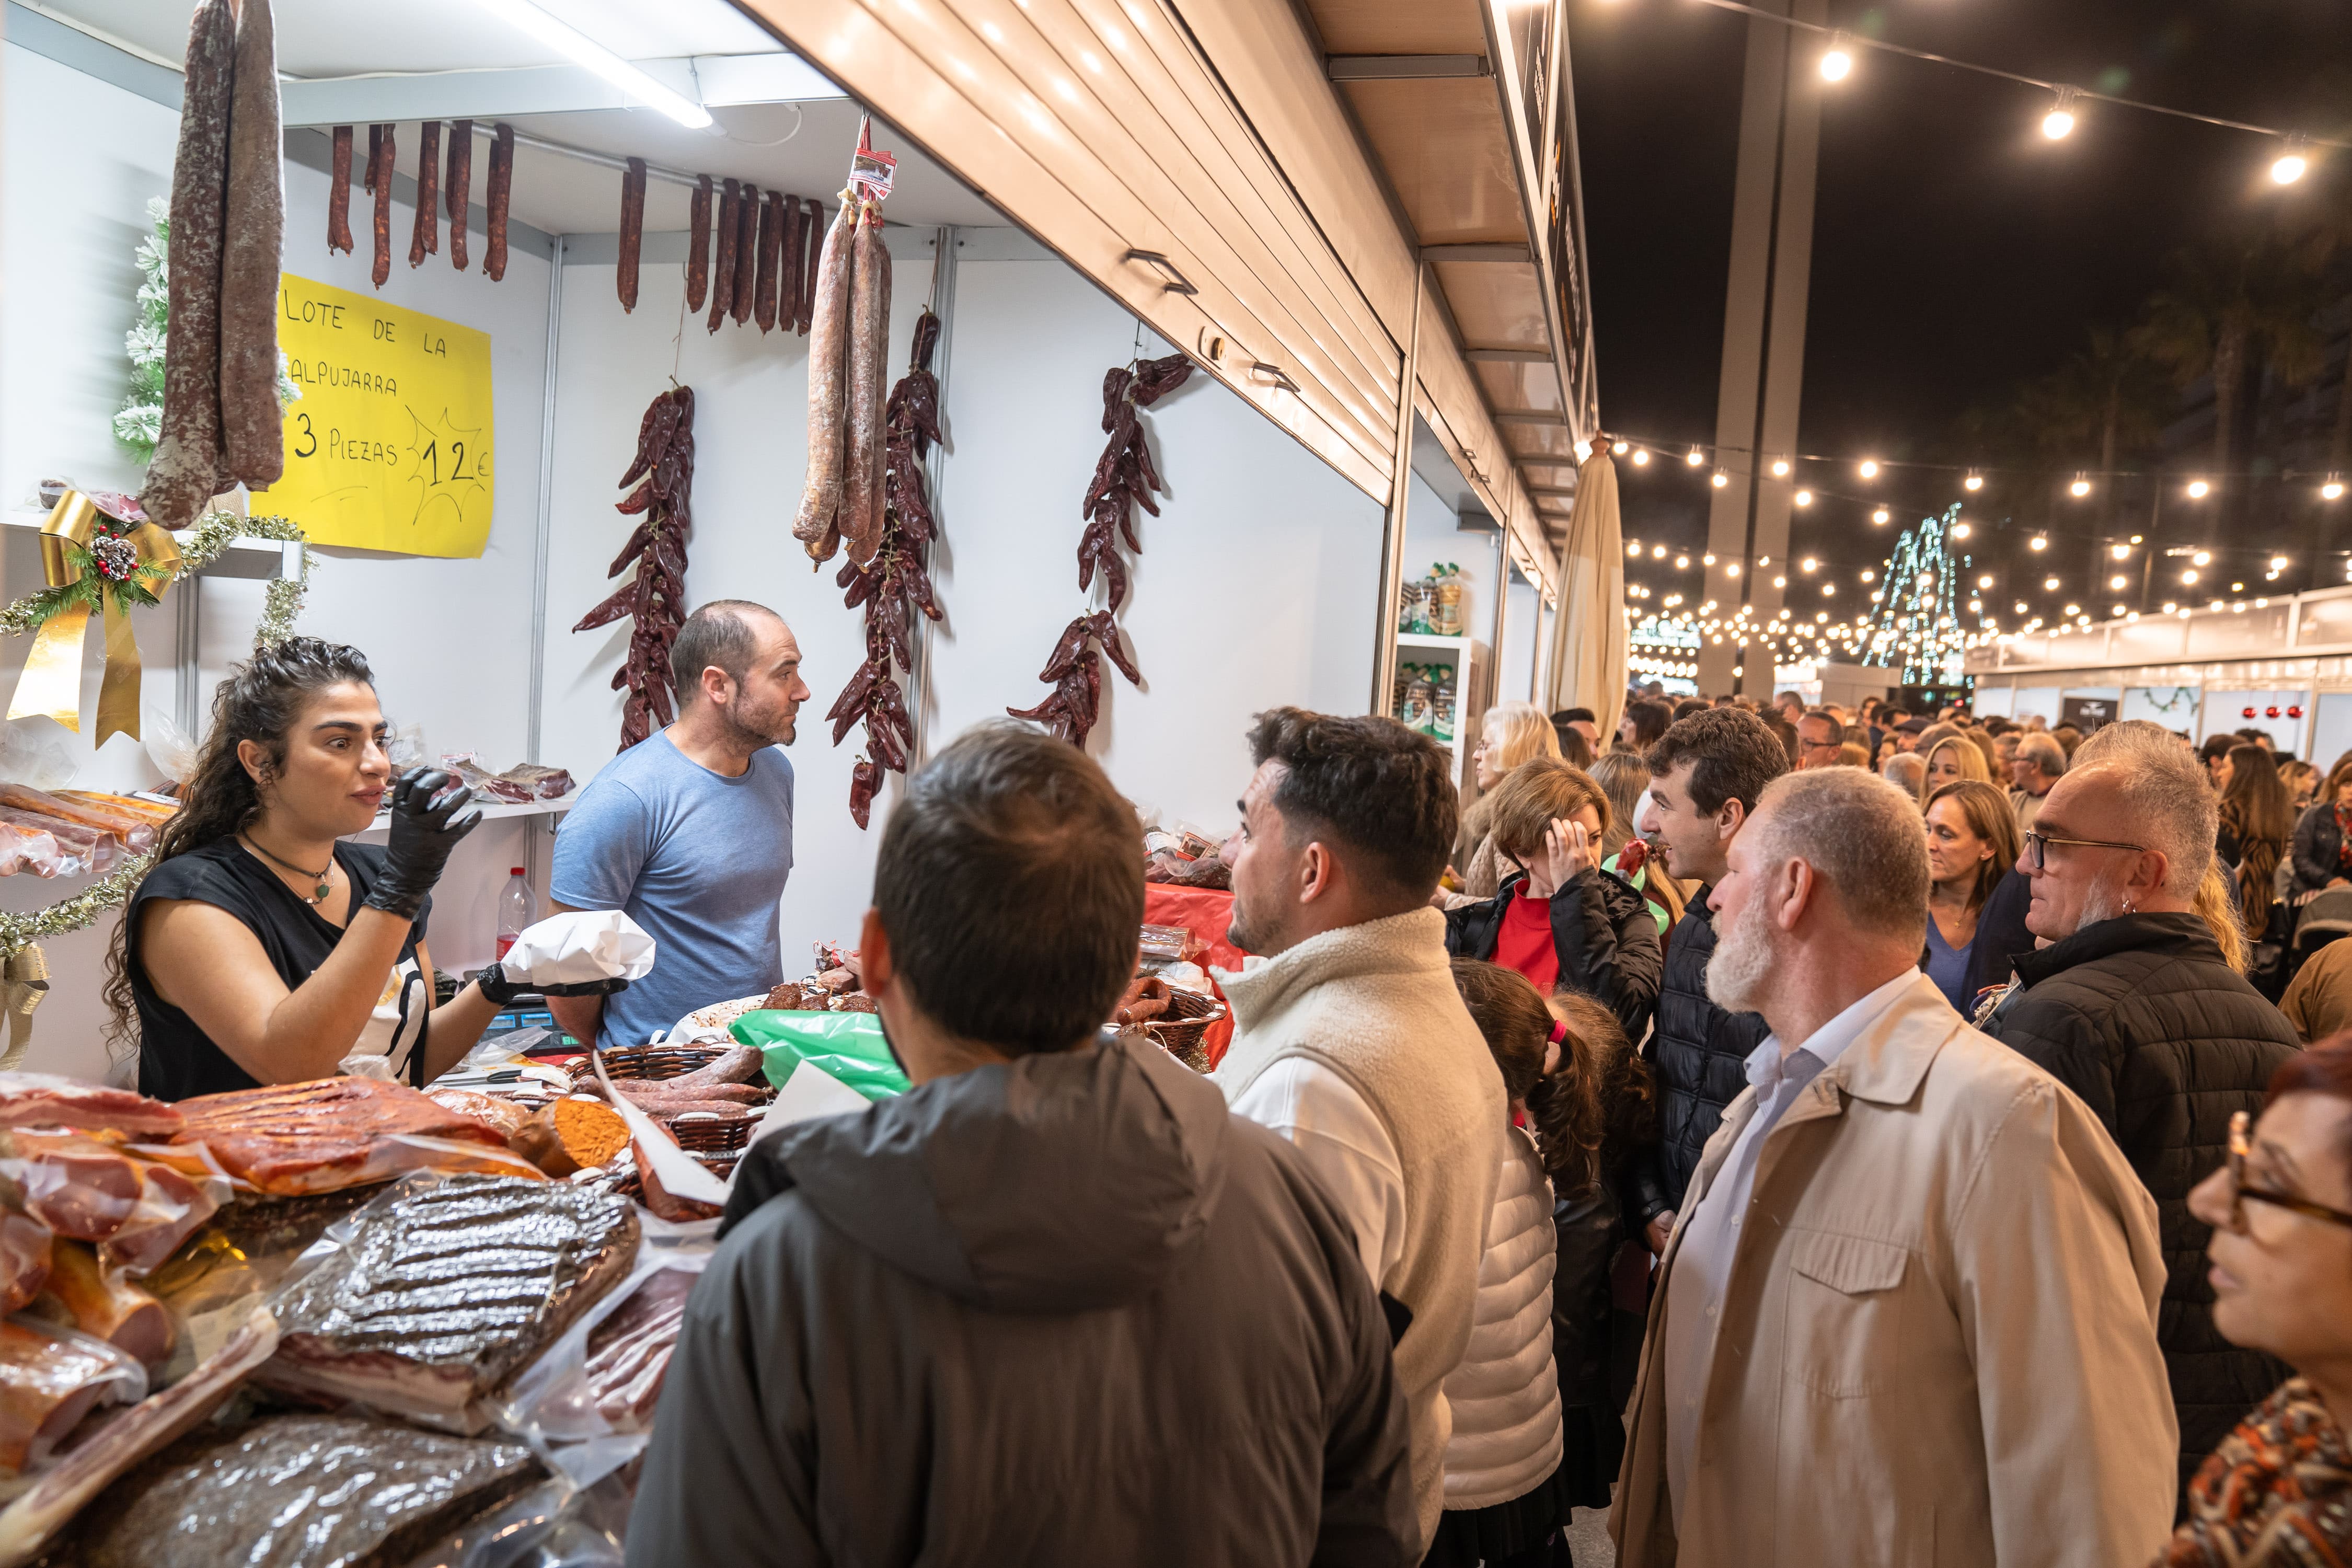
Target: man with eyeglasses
x=1820, y=738
x=2130, y=1004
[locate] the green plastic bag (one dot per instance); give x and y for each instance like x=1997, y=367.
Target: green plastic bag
x=845, y=1047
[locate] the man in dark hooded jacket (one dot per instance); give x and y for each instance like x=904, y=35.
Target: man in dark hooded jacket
x=1054, y=1305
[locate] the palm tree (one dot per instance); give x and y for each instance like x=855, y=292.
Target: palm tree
x=2240, y=302
x=2108, y=392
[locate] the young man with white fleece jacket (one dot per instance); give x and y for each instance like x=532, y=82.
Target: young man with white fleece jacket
x=1351, y=1041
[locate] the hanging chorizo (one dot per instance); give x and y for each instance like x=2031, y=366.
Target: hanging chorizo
x=501, y=200
x=633, y=232
x=339, y=194
x=253, y=424
x=425, y=236
x=458, y=186
x=697, y=243
x=747, y=254
x=817, y=526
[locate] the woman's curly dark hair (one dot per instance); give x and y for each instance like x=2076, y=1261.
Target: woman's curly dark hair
x=260, y=701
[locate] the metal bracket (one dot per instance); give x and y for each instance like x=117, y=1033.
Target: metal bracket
x=1174, y=280
x=1272, y=375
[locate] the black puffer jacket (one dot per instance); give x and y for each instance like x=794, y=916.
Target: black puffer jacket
x=2141, y=1017
x=1601, y=930
x=2317, y=849
x=1700, y=1054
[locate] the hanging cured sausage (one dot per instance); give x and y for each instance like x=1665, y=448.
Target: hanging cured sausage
x=722, y=265
x=818, y=526
x=633, y=232
x=788, y=271
x=339, y=194
x=501, y=198
x=697, y=245
x=812, y=258
x=763, y=287
x=387, y=150
x=253, y=423
x=869, y=340
x=425, y=236
x=458, y=186
x=747, y=254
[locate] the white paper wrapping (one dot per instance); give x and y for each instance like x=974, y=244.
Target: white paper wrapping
x=580, y=946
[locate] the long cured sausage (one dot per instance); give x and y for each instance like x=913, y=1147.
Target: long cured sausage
x=747, y=254
x=869, y=329
x=253, y=424
x=339, y=194
x=424, y=238
x=763, y=287
x=185, y=470
x=458, y=187
x=633, y=232
x=387, y=152
x=818, y=527
x=812, y=254
x=697, y=243
x=375, y=150
x=788, y=269
x=494, y=258
x=722, y=266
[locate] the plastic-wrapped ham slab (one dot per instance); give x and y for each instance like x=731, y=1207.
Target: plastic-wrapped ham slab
x=289, y=1491
x=46, y=1100
x=444, y=1289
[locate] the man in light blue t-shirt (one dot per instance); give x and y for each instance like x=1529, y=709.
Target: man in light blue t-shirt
x=689, y=832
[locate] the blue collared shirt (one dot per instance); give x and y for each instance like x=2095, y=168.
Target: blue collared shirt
x=1711, y=1232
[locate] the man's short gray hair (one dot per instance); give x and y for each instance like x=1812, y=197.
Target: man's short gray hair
x=1862, y=834
x=2168, y=800
x=2044, y=753
x=1905, y=770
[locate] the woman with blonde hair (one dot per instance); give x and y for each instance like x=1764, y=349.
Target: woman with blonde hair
x=1971, y=845
x=1953, y=760
x=1511, y=734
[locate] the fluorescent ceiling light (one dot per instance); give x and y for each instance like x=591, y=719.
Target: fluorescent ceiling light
x=586, y=51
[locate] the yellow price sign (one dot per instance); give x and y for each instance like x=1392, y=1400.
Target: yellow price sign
x=389, y=447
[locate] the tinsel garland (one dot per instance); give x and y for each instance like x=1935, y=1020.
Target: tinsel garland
x=72, y=914
x=280, y=604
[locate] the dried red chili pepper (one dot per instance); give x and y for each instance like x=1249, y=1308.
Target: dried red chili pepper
x=663, y=471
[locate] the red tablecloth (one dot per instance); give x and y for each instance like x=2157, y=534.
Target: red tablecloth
x=1206, y=913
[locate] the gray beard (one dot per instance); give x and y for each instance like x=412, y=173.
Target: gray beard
x=1741, y=962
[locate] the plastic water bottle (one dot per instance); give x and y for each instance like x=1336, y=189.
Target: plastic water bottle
x=517, y=909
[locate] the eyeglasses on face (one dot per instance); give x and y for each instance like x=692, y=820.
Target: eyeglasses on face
x=2037, y=846
x=2240, y=1146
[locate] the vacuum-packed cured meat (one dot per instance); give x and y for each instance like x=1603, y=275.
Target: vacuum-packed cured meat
x=253, y=423
x=830, y=339
x=339, y=194
x=722, y=265
x=106, y=1306
x=92, y=1189
x=503, y=1117
x=663, y=471
x=332, y=1132
x=502, y=199
x=295, y=1492
x=135, y=832
x=47, y=1383
x=633, y=231
x=443, y=1291
x=25, y=1249
x=697, y=243
x=146, y=1427
x=629, y=1352
x=46, y=1100
x=190, y=462
x=425, y=233
x=458, y=187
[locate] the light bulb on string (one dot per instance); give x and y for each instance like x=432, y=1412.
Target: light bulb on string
x=1837, y=60
x=2333, y=490
x=2288, y=167
x=1881, y=515
x=2059, y=123
x=2198, y=490
x=1779, y=468
x=1641, y=458
x=2081, y=487
x=1695, y=458
x=1721, y=478
x=2039, y=541
x=1975, y=481
x=1869, y=469
x=1804, y=497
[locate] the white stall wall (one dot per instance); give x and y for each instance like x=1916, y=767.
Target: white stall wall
x=450, y=641
x=1519, y=657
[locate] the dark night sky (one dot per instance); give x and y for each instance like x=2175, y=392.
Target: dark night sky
x=1956, y=252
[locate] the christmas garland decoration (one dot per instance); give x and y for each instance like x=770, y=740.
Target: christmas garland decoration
x=74, y=913
x=281, y=602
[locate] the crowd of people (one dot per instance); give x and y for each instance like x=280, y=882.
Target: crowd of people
x=1755, y=1119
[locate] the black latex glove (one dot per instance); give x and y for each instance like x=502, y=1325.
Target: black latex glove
x=498, y=988
x=422, y=837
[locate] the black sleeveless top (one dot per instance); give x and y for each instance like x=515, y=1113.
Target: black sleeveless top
x=176, y=1058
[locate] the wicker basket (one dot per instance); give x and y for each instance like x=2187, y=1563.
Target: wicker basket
x=658, y=1063
x=709, y=1132
x=1181, y=1030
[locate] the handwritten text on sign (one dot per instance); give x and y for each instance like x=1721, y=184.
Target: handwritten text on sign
x=389, y=447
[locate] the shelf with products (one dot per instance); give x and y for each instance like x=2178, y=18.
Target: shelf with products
x=1441, y=691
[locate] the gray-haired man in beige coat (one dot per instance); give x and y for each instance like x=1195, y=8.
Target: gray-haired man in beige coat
x=1908, y=1313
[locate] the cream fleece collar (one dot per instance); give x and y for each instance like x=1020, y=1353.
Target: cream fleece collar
x=1409, y=943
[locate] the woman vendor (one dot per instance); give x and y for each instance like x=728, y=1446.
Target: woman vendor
x=262, y=949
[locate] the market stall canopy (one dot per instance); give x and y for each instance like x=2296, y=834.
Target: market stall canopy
x=1196, y=160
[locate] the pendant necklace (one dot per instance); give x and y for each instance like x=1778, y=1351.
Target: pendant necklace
x=324, y=878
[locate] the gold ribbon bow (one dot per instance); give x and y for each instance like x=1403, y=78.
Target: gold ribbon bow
x=23, y=981
x=51, y=683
